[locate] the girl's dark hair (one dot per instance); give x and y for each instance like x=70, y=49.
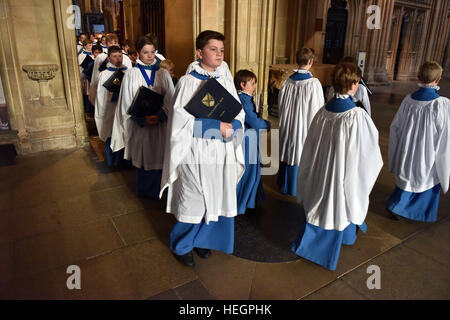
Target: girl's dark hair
x=143, y=41
x=243, y=76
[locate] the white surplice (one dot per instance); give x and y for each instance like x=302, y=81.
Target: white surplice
x=201, y=174
x=298, y=102
x=419, y=144
x=95, y=73
x=143, y=146
x=105, y=109
x=340, y=163
x=84, y=80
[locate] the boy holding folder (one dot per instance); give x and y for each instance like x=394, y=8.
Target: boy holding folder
x=201, y=169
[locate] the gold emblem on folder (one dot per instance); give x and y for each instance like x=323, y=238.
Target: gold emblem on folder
x=116, y=81
x=208, y=100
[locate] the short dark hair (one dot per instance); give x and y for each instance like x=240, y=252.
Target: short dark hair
x=113, y=49
x=86, y=42
x=343, y=76
x=132, y=50
x=153, y=37
x=97, y=47
x=243, y=76
x=143, y=41
x=205, y=36
x=304, y=55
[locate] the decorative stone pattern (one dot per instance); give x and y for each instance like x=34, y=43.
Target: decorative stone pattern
x=42, y=74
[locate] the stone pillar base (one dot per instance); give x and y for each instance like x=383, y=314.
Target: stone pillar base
x=377, y=77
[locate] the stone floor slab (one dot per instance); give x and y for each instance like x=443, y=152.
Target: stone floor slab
x=337, y=290
x=194, y=290
x=225, y=276
x=405, y=274
x=51, y=250
x=433, y=242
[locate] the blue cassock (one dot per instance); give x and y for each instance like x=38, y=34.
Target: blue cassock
x=216, y=235
x=324, y=246
x=250, y=193
x=114, y=159
x=419, y=206
x=287, y=175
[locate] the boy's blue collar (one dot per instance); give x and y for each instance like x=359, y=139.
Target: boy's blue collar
x=300, y=76
x=240, y=92
x=340, y=105
x=425, y=94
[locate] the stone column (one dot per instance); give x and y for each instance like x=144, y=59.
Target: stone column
x=438, y=31
x=446, y=66
x=373, y=41
x=46, y=115
x=12, y=84
x=251, y=34
x=249, y=28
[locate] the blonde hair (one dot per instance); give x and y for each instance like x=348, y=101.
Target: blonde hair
x=304, y=55
x=110, y=37
x=343, y=76
x=167, y=64
x=429, y=72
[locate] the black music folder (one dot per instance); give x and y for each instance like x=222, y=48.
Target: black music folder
x=213, y=101
x=86, y=62
x=114, y=82
x=146, y=102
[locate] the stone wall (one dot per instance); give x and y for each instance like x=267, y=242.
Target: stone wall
x=40, y=74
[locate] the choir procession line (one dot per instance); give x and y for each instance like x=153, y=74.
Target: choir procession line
x=195, y=142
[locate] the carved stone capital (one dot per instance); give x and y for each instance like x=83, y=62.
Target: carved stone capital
x=44, y=72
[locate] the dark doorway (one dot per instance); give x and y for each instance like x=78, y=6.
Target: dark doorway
x=152, y=15
x=336, y=29
x=95, y=22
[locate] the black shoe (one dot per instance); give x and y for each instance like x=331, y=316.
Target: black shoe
x=186, y=259
x=203, y=253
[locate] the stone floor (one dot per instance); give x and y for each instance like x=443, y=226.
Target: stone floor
x=64, y=208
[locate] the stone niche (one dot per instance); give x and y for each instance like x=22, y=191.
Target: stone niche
x=41, y=75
